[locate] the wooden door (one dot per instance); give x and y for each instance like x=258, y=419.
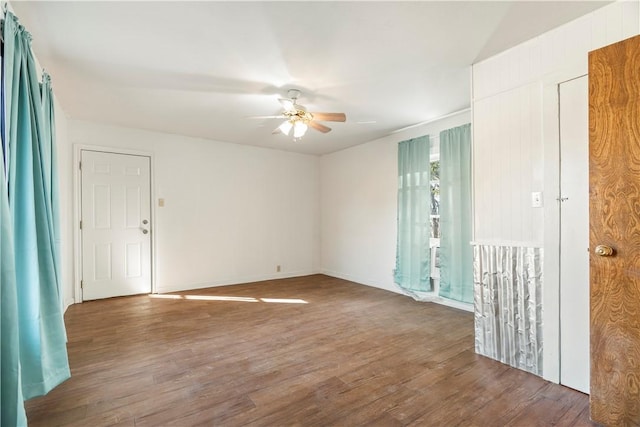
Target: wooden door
x=116, y=208
x=574, y=234
x=614, y=218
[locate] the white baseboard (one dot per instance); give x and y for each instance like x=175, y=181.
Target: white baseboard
x=361, y=281
x=454, y=304
x=425, y=297
x=235, y=281
x=285, y=275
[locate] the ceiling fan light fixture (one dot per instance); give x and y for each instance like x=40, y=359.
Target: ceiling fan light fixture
x=298, y=119
x=299, y=129
x=285, y=127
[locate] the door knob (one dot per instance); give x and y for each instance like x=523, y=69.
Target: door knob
x=144, y=221
x=604, y=250
x=144, y=231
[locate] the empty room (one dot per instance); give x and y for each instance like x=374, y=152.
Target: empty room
x=349, y=213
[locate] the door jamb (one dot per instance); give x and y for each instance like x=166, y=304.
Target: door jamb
x=77, y=191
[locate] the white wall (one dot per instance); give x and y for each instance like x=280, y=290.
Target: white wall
x=508, y=152
x=65, y=174
x=516, y=140
x=232, y=212
x=359, y=188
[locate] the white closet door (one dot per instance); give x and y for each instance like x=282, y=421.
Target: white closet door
x=574, y=234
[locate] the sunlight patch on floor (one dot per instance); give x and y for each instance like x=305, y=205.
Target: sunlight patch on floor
x=217, y=298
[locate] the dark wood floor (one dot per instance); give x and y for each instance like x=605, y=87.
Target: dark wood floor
x=351, y=355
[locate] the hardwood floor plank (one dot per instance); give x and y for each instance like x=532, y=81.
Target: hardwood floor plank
x=349, y=355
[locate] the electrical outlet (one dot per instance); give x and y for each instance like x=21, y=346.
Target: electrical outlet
x=278, y=269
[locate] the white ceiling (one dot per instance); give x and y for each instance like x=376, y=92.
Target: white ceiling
x=201, y=68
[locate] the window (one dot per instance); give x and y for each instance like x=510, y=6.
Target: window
x=435, y=199
x=434, y=241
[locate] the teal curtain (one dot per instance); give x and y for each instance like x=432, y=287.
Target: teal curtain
x=412, y=272
x=456, y=253
x=50, y=174
x=33, y=208
x=11, y=399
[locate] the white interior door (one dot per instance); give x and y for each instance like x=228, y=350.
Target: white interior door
x=116, y=229
x=574, y=234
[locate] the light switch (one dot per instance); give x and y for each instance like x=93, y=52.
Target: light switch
x=536, y=199
x=161, y=203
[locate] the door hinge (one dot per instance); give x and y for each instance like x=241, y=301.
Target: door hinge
x=81, y=284
x=80, y=165
x=80, y=224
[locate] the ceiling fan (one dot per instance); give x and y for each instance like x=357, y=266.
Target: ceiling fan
x=298, y=119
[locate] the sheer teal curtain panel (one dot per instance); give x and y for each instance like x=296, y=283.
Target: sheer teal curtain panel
x=412, y=271
x=456, y=253
x=33, y=208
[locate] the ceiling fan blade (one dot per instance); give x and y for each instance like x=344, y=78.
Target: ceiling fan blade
x=319, y=126
x=288, y=104
x=330, y=117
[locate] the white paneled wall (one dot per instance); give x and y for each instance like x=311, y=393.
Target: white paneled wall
x=508, y=107
x=516, y=142
x=508, y=153
x=564, y=48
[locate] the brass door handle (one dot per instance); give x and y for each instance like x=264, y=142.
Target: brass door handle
x=604, y=250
